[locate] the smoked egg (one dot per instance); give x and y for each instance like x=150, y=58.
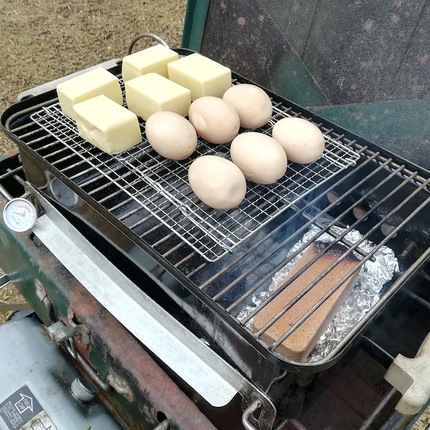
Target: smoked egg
x=261, y=159
x=217, y=182
x=215, y=120
x=252, y=104
x=171, y=135
x=302, y=141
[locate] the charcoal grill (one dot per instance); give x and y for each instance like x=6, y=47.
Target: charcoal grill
x=203, y=267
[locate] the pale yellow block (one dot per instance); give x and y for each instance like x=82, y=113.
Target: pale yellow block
x=107, y=125
x=203, y=76
x=88, y=85
x=152, y=93
x=149, y=60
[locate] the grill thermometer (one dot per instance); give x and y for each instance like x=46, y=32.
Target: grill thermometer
x=19, y=215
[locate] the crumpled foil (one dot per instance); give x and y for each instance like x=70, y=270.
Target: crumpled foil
x=362, y=297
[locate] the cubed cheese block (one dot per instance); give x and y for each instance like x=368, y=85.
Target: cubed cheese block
x=107, y=125
x=152, y=93
x=86, y=86
x=150, y=60
x=203, y=76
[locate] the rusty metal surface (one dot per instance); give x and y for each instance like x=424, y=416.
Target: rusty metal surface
x=128, y=361
x=147, y=393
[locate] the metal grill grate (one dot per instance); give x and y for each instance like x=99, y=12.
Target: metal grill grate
x=161, y=186
x=383, y=197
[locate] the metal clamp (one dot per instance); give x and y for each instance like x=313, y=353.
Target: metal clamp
x=143, y=36
x=61, y=335
x=411, y=376
x=248, y=413
x=4, y=281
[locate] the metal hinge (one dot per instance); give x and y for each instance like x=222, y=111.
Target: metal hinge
x=63, y=334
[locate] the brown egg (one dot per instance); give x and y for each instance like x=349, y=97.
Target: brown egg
x=252, y=104
x=171, y=135
x=215, y=120
x=261, y=159
x=302, y=141
x=217, y=182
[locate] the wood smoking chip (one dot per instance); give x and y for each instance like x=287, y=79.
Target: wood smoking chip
x=298, y=345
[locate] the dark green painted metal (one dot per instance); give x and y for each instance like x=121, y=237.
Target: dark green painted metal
x=294, y=82
x=402, y=126
x=360, y=51
x=194, y=25
x=112, y=352
x=14, y=258
x=242, y=36
x=17, y=251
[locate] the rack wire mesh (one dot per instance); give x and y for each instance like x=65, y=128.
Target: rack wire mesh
x=161, y=185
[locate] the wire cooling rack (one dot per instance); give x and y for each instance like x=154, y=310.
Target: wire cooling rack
x=161, y=186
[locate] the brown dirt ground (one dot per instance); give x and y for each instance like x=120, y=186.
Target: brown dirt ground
x=42, y=40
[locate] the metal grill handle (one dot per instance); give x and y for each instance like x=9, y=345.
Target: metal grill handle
x=411, y=376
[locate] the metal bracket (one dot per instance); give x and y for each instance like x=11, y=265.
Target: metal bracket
x=4, y=281
x=247, y=414
x=78, y=329
x=411, y=376
x=62, y=335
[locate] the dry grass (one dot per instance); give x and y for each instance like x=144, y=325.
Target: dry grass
x=9, y=295
x=423, y=422
x=42, y=40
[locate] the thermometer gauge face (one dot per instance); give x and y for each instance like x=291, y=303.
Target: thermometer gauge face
x=19, y=215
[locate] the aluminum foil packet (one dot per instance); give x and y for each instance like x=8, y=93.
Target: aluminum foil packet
x=362, y=297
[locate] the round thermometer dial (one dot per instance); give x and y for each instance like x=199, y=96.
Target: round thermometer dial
x=19, y=215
